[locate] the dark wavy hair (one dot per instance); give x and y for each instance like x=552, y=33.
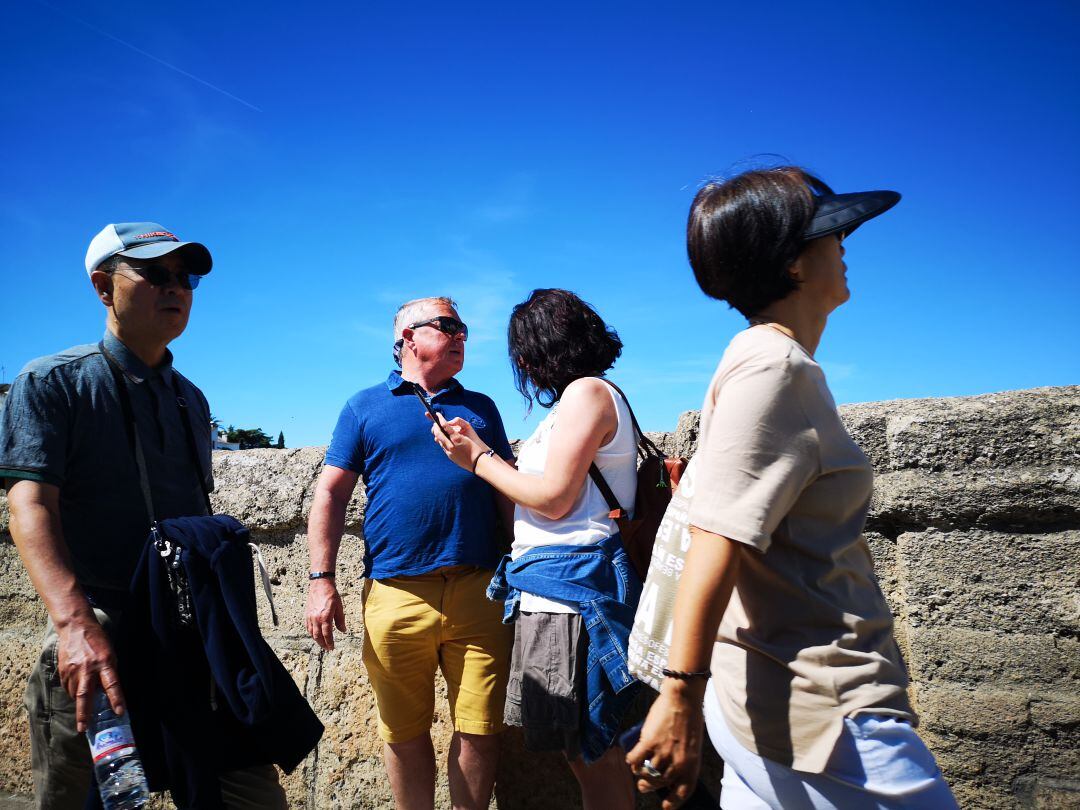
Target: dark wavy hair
x=744, y=234
x=555, y=338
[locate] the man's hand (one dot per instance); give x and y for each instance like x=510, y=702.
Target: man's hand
x=326, y=523
x=671, y=742
x=324, y=611
x=85, y=663
x=84, y=655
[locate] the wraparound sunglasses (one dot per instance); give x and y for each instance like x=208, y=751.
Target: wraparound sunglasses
x=160, y=276
x=445, y=324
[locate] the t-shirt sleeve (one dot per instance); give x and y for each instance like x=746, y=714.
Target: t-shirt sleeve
x=759, y=453
x=346, y=449
x=34, y=426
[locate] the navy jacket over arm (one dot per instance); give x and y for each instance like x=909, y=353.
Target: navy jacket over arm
x=212, y=697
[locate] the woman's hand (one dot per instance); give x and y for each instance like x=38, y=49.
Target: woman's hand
x=672, y=733
x=462, y=446
x=587, y=420
x=671, y=741
x=464, y=428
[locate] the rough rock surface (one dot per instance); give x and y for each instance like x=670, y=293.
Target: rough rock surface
x=974, y=527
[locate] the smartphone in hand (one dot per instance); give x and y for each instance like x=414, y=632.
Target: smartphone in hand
x=427, y=407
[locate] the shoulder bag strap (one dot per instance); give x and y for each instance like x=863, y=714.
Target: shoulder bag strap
x=645, y=444
x=136, y=443
x=132, y=431
x=598, y=477
x=193, y=448
x=609, y=496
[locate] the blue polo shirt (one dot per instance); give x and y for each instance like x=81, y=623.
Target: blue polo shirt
x=423, y=511
x=62, y=424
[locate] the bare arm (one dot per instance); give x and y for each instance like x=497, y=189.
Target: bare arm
x=587, y=420
x=672, y=734
x=326, y=524
x=84, y=655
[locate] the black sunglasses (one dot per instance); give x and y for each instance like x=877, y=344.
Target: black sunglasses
x=160, y=276
x=446, y=325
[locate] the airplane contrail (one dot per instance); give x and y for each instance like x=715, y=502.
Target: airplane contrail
x=140, y=51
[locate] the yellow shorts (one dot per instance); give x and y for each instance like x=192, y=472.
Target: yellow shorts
x=442, y=618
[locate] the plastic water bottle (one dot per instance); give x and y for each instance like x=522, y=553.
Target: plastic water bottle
x=117, y=766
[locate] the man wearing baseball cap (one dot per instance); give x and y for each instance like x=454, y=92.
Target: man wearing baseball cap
x=78, y=513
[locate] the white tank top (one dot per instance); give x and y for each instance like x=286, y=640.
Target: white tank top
x=587, y=522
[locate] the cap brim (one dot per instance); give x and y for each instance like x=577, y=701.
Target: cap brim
x=197, y=257
x=843, y=213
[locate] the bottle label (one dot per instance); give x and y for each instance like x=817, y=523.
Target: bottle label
x=112, y=741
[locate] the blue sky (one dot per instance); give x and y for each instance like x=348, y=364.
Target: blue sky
x=340, y=159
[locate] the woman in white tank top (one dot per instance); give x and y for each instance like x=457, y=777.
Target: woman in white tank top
x=560, y=348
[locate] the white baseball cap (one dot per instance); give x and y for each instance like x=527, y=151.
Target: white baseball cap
x=144, y=240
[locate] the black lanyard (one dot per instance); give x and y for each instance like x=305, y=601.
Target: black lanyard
x=136, y=444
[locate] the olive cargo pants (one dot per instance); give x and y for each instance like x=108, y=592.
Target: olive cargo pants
x=60, y=755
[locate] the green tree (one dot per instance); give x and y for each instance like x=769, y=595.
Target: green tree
x=248, y=438
x=280, y=440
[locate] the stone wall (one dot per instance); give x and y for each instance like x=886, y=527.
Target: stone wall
x=975, y=527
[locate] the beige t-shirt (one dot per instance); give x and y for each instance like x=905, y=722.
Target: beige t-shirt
x=807, y=637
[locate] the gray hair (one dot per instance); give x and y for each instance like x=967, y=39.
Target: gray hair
x=411, y=312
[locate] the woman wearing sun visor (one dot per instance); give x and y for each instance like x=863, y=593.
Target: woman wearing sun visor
x=778, y=601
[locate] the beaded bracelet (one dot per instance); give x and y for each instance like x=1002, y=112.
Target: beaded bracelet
x=679, y=675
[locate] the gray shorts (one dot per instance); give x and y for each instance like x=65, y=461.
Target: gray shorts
x=547, y=681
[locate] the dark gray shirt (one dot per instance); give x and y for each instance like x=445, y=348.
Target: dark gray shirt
x=62, y=424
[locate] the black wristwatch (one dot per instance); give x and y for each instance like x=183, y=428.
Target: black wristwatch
x=321, y=575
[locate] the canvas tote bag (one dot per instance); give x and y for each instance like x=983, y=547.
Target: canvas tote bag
x=650, y=637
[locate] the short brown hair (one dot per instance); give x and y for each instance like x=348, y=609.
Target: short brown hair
x=743, y=234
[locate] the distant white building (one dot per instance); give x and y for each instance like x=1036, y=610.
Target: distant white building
x=221, y=442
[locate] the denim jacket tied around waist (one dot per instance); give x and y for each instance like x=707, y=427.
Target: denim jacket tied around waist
x=600, y=581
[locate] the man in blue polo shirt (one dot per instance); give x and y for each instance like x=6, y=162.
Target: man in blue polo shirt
x=78, y=515
x=431, y=546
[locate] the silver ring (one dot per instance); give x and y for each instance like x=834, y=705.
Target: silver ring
x=650, y=771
